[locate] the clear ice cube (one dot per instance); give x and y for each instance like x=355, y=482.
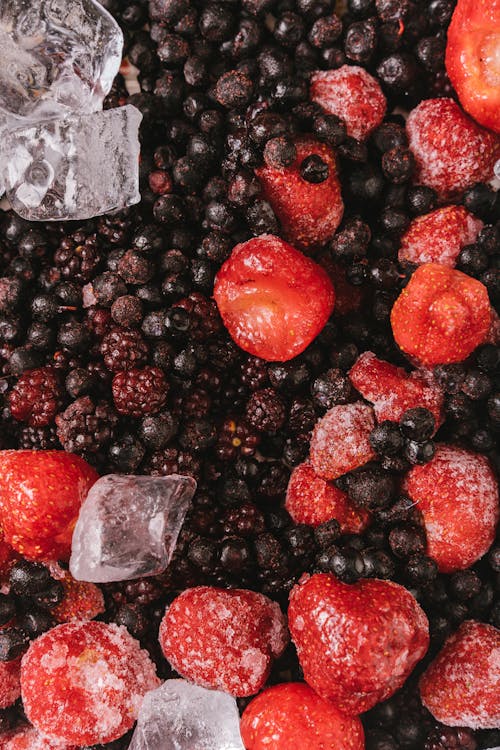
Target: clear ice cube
x=74, y=168
x=181, y=716
x=128, y=527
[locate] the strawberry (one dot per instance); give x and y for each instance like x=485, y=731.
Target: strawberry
x=40, y=497
x=457, y=495
x=82, y=600
x=224, y=640
x=291, y=715
x=451, y=151
x=352, y=94
x=27, y=737
x=472, y=59
x=441, y=316
x=10, y=682
x=461, y=687
x=356, y=643
x=273, y=300
x=309, y=212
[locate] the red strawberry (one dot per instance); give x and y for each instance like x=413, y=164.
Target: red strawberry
x=457, y=495
x=27, y=737
x=356, y=643
x=273, y=300
x=439, y=236
x=441, y=316
x=309, y=212
x=10, y=682
x=82, y=600
x=312, y=500
x=292, y=716
x=451, y=151
x=224, y=640
x=353, y=95
x=40, y=497
x=472, y=54
x=461, y=687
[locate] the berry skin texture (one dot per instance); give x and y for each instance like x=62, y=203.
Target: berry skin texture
x=351, y=94
x=451, y=151
x=272, y=299
x=10, y=682
x=83, y=683
x=472, y=59
x=356, y=643
x=313, y=501
x=40, y=497
x=341, y=440
x=441, y=316
x=36, y=397
x=461, y=687
x=309, y=213
x=82, y=600
x=225, y=640
x=457, y=495
x=28, y=738
x=438, y=237
x=137, y=392
x=291, y=715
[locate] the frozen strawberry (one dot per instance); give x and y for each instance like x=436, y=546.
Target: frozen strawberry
x=28, y=738
x=273, y=300
x=291, y=715
x=7, y=554
x=82, y=600
x=83, y=682
x=461, y=687
x=472, y=54
x=451, y=151
x=441, y=316
x=438, y=237
x=341, y=440
x=10, y=682
x=312, y=500
x=356, y=643
x=224, y=640
x=40, y=497
x=457, y=495
x=307, y=202
x=392, y=390
x=351, y=94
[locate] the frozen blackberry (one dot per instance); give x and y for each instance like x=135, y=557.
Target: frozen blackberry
x=137, y=392
x=78, y=256
x=123, y=349
x=85, y=426
x=266, y=410
x=36, y=398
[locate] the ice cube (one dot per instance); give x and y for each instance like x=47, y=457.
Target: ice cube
x=181, y=716
x=74, y=168
x=59, y=57
x=128, y=527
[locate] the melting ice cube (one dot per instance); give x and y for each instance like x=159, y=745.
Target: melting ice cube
x=128, y=527
x=181, y=716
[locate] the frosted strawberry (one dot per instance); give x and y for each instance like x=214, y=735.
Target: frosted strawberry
x=10, y=682
x=27, y=737
x=81, y=601
x=292, y=716
x=441, y=316
x=439, y=237
x=351, y=93
x=224, y=640
x=356, y=643
x=457, y=494
x=307, y=202
x=461, y=687
x=273, y=300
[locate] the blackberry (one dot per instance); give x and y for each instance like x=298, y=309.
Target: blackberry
x=123, y=349
x=266, y=410
x=236, y=437
x=78, y=256
x=137, y=392
x=448, y=738
x=36, y=397
x=330, y=389
x=417, y=424
x=38, y=438
x=86, y=427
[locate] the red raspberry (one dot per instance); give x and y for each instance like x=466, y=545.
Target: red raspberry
x=356, y=643
x=309, y=212
x=351, y=94
x=224, y=640
x=40, y=497
x=312, y=500
x=137, y=392
x=123, y=349
x=392, y=390
x=10, y=682
x=273, y=300
x=82, y=600
x=292, y=716
x=36, y=397
x=451, y=151
x=472, y=59
x=28, y=738
x=461, y=687
x=341, y=440
x=457, y=495
x=83, y=683
x=439, y=236
x=441, y=316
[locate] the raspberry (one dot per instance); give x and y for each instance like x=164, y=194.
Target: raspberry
x=441, y=316
x=351, y=94
x=37, y=397
x=86, y=427
x=83, y=683
x=224, y=640
x=123, y=349
x=29, y=738
x=10, y=682
x=140, y=391
x=82, y=600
